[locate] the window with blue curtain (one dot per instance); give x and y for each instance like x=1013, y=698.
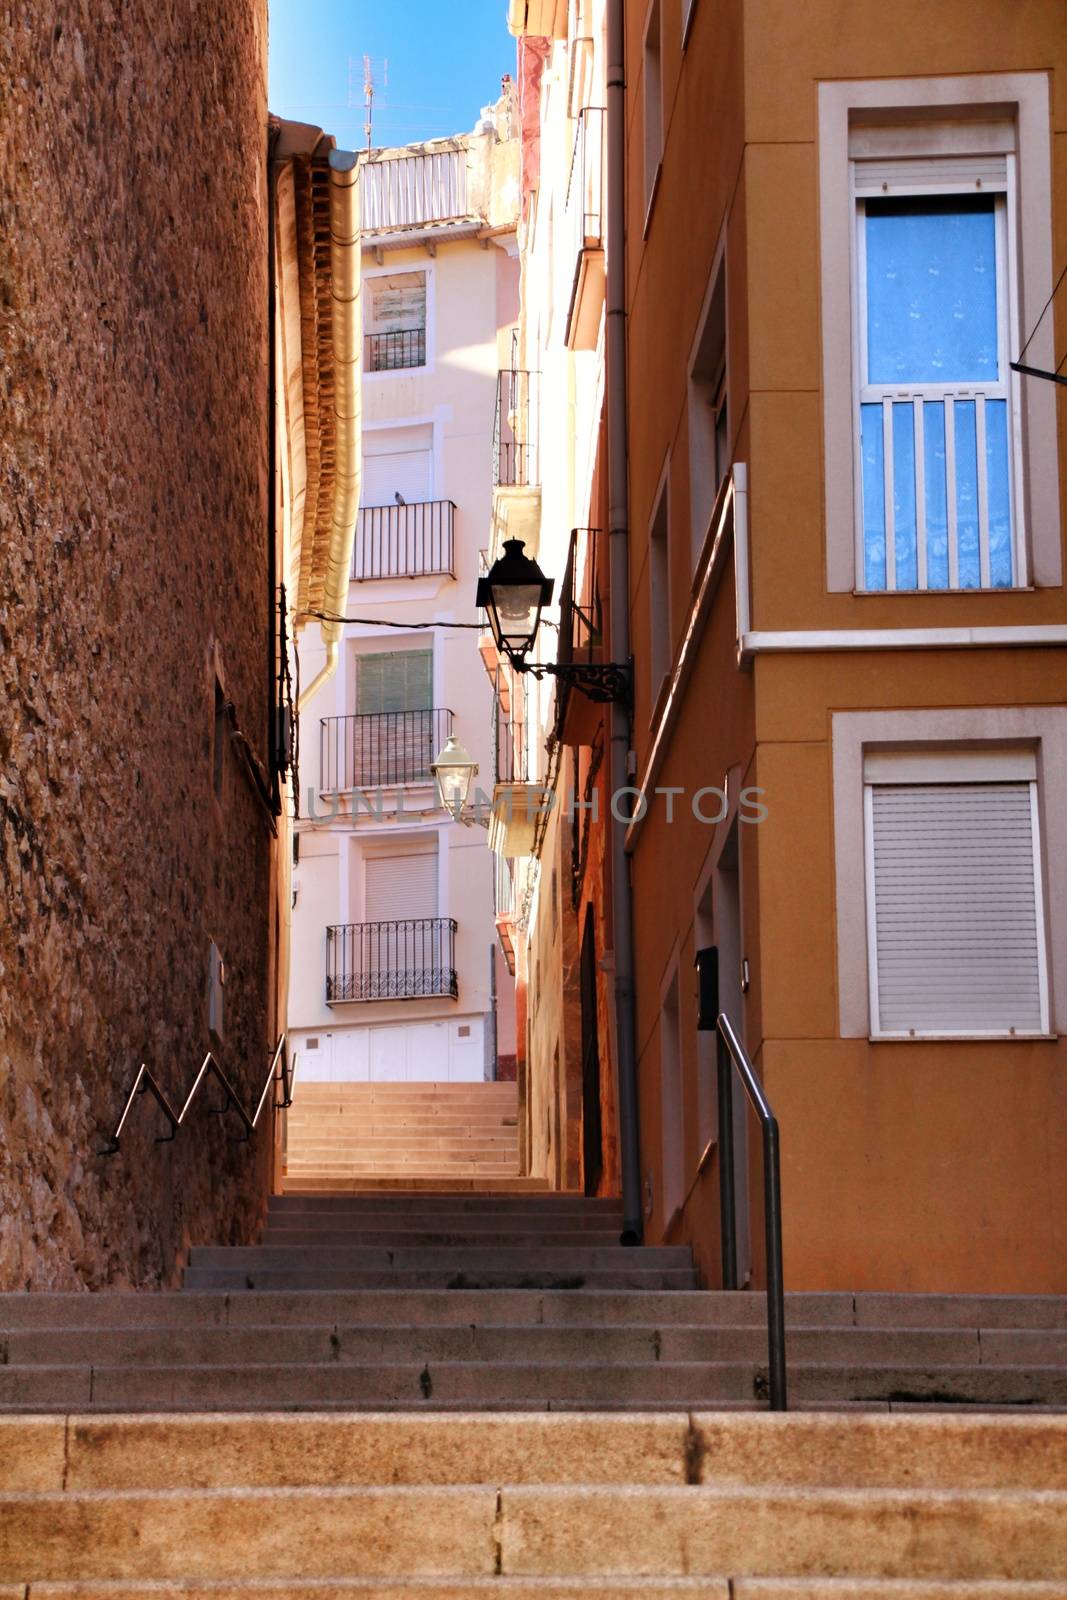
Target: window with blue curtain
x=935, y=459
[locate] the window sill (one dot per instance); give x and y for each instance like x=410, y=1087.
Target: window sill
x=962, y=1038
x=937, y=594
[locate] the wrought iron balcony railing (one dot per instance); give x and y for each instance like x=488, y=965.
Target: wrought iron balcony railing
x=584, y=209
x=581, y=617
x=517, y=430
x=512, y=734
x=400, y=347
x=380, y=749
x=409, y=540
x=413, y=959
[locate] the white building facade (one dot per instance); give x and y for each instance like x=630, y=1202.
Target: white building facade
x=396, y=971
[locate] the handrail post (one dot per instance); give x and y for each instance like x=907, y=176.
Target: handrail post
x=730, y=1054
x=727, y=1198
x=772, y=1205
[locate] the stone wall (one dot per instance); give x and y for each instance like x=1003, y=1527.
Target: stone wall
x=133, y=555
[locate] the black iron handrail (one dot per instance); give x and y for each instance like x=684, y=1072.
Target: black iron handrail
x=147, y=1083
x=731, y=1054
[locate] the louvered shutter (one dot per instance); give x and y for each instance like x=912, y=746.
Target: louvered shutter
x=401, y=886
x=955, y=919
x=394, y=680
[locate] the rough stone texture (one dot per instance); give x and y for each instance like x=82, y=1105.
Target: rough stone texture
x=133, y=542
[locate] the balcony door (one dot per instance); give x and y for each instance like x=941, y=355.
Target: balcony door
x=394, y=723
x=397, y=484
x=403, y=942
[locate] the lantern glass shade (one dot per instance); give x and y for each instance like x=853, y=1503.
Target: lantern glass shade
x=454, y=771
x=513, y=594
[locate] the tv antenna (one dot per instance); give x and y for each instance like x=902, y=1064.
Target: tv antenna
x=368, y=92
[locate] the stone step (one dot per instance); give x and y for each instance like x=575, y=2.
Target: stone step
x=482, y=1383
x=430, y=1218
x=535, y=1204
x=489, y=1341
x=412, y=1588
x=724, y=1450
x=635, y=1531
x=433, y=1185
x=453, y=1233
x=478, y=1257
x=593, y=1308
x=439, y=1167
x=234, y=1279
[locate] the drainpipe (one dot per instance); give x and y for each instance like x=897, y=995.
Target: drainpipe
x=347, y=333
x=619, y=569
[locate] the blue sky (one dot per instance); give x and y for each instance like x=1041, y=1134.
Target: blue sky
x=445, y=61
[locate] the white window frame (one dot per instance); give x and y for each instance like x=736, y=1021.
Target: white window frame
x=856, y=736
x=971, y=102
x=1005, y=388
x=945, y=768
x=395, y=271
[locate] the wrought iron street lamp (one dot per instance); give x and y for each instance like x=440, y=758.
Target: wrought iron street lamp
x=513, y=594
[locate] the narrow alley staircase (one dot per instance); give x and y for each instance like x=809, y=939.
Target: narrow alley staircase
x=461, y=1136
x=448, y=1395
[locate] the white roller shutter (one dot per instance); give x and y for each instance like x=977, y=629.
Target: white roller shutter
x=400, y=886
x=397, y=461
x=955, y=919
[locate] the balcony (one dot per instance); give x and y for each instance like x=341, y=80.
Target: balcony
x=415, y=540
x=505, y=908
x=379, y=750
x=516, y=430
x=414, y=959
x=518, y=798
x=394, y=350
x=584, y=225
x=408, y=191
x=517, y=460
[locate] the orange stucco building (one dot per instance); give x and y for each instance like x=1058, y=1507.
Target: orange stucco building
x=846, y=593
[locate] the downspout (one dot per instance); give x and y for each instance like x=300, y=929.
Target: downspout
x=619, y=570
x=347, y=334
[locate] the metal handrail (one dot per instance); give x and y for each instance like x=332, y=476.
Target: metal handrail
x=730, y=1054
x=146, y=1083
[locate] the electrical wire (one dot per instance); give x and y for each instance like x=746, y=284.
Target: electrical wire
x=1041, y=318
x=407, y=627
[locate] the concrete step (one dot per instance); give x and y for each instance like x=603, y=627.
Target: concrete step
x=534, y=1204
x=632, y=1531
x=481, y=1256
x=234, y=1279
x=430, y=1218
x=412, y=1588
x=482, y=1382
x=393, y=1304
x=451, y=1233
x=487, y=1341
x=724, y=1450
x=435, y=1185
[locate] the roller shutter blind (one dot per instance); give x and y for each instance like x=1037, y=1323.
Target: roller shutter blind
x=401, y=886
x=955, y=915
x=394, y=680
x=403, y=472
